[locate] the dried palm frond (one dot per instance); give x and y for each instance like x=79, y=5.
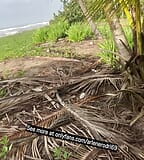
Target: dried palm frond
x=94, y=106
x=102, y=131
x=92, y=85
x=20, y=138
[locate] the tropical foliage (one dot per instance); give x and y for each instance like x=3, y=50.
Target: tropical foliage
x=107, y=53
x=89, y=99
x=133, y=12
x=71, y=12
x=79, y=32
x=52, y=32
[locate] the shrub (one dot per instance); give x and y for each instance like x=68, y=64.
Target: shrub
x=108, y=48
x=57, y=30
x=40, y=35
x=79, y=32
x=105, y=30
x=51, y=33
x=129, y=35
x=71, y=12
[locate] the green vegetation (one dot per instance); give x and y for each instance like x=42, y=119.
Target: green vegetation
x=79, y=32
x=51, y=33
x=104, y=29
x=19, y=74
x=40, y=35
x=108, y=48
x=72, y=12
x=69, y=23
x=23, y=44
x=61, y=154
x=20, y=45
x=60, y=29
x=4, y=147
x=3, y=92
x=14, y=46
x=129, y=35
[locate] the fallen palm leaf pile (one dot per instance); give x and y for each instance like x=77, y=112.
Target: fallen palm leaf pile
x=92, y=102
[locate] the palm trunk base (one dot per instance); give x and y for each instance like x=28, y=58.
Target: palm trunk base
x=135, y=70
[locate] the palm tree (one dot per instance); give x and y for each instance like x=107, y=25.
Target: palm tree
x=133, y=12
x=115, y=26
x=89, y=18
x=118, y=36
x=101, y=115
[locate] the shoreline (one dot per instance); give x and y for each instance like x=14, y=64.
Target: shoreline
x=14, y=30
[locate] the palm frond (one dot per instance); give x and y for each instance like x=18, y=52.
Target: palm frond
x=112, y=6
x=102, y=131
x=100, y=115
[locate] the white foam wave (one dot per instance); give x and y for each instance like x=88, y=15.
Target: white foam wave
x=11, y=33
x=14, y=30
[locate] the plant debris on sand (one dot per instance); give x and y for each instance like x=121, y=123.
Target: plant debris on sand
x=91, y=102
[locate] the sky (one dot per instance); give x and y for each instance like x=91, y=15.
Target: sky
x=15, y=13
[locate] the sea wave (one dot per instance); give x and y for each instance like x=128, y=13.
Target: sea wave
x=15, y=30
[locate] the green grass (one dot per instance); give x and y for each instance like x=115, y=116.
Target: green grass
x=52, y=32
x=108, y=46
x=61, y=154
x=78, y=32
x=106, y=55
x=129, y=35
x=23, y=44
x=18, y=45
x=3, y=92
x=105, y=30
x=5, y=147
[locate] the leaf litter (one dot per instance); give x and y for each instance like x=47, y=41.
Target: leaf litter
x=79, y=101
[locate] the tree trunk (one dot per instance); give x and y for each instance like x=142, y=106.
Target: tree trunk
x=135, y=69
x=89, y=19
x=137, y=12
x=119, y=37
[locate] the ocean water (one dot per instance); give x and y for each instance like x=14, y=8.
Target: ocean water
x=20, y=15
x=15, y=30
